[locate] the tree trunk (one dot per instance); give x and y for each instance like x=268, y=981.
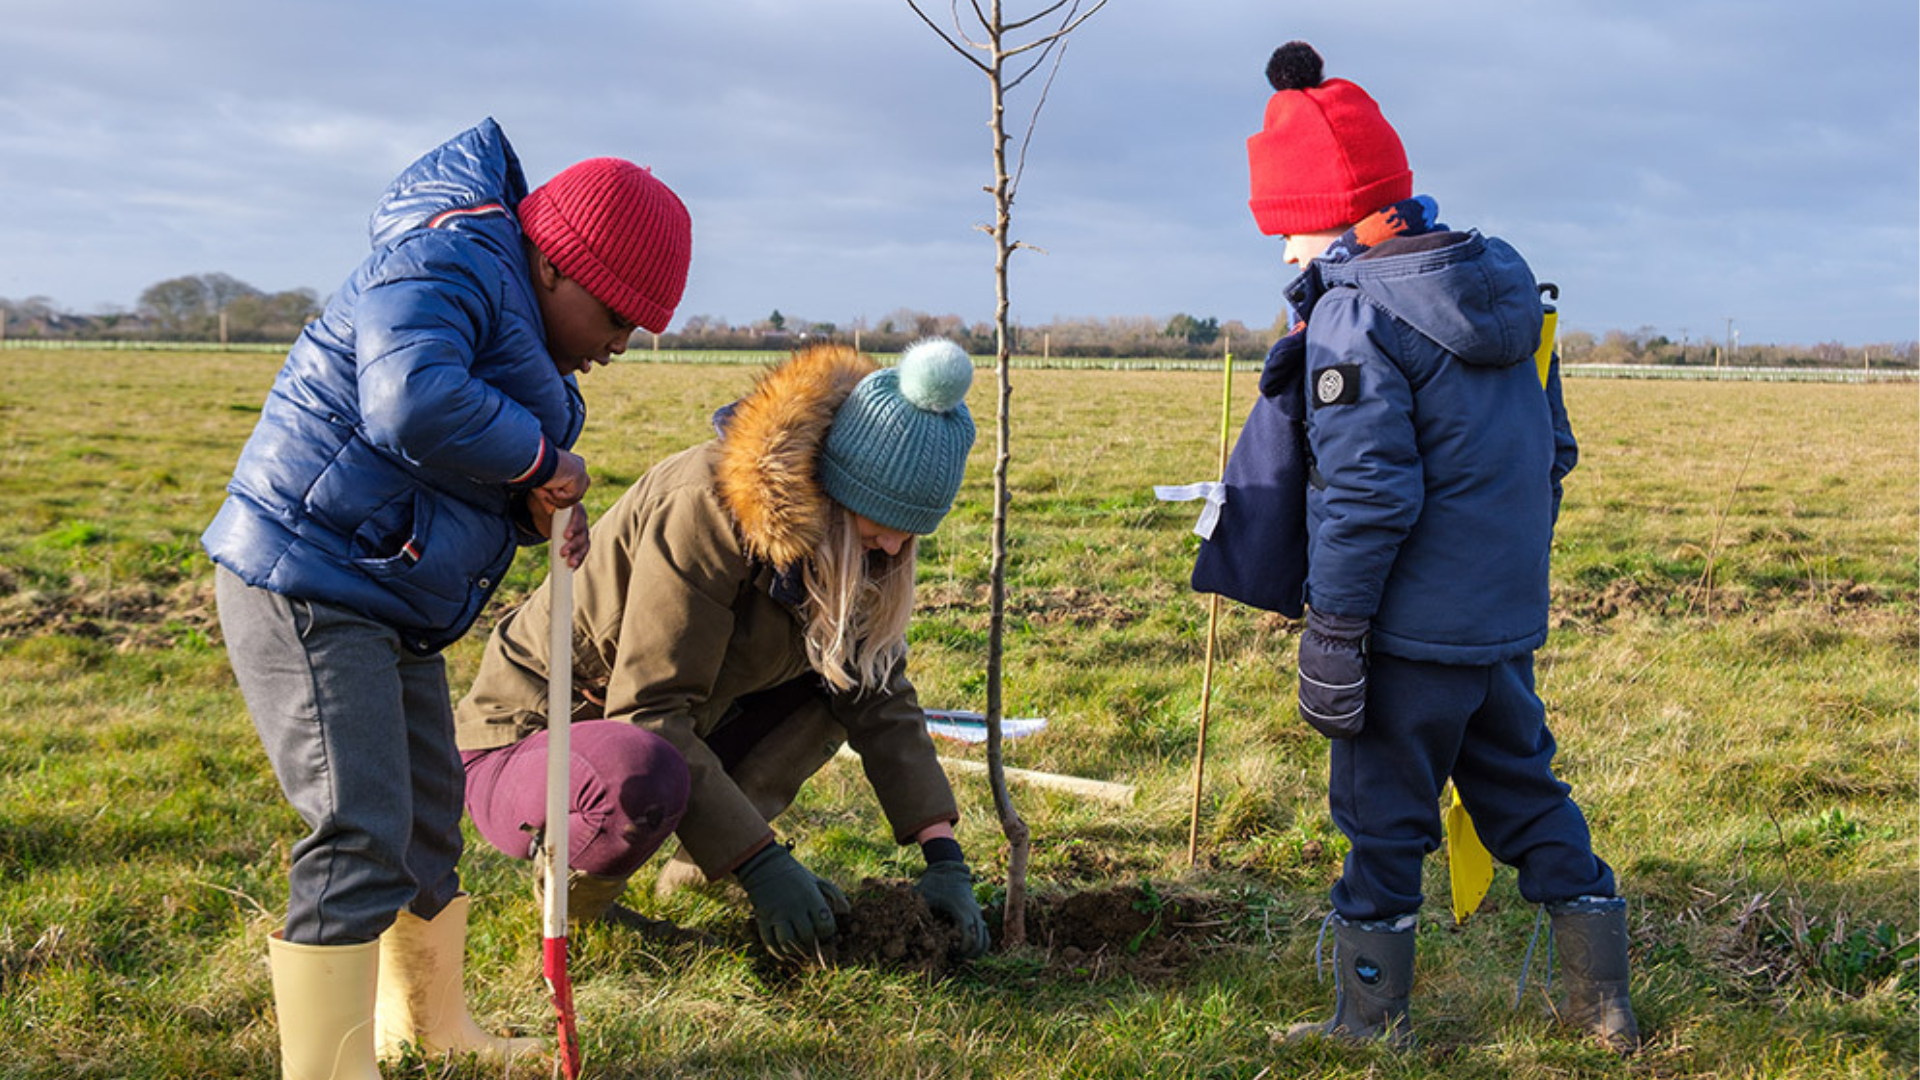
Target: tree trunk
x=1013, y=926
x=1013, y=932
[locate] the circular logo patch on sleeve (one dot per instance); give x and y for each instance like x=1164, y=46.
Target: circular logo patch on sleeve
x=1337, y=385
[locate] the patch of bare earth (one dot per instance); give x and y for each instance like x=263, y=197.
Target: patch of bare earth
x=1127, y=930
x=134, y=616
x=1628, y=596
x=1071, y=605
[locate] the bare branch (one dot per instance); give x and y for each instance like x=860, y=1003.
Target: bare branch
x=985, y=23
x=1073, y=22
x=1031, y=68
x=1022, y=24
x=1020, y=162
x=977, y=13
x=944, y=36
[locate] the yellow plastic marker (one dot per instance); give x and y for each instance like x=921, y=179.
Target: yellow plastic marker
x=1469, y=865
x=1549, y=331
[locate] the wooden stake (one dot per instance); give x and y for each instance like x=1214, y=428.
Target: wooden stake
x=1213, y=627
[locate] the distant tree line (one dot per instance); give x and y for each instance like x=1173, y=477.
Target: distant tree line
x=196, y=307
x=1647, y=346
x=1183, y=335
x=217, y=307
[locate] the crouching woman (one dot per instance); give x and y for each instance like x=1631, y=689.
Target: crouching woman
x=742, y=612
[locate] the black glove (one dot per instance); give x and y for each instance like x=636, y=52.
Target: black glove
x=1333, y=674
x=792, y=909
x=948, y=889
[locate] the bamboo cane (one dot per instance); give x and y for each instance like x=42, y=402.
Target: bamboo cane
x=1213, y=624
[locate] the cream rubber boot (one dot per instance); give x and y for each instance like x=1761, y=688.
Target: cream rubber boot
x=323, y=999
x=423, y=994
x=770, y=775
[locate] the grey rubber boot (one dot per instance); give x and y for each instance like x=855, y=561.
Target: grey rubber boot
x=1590, y=942
x=1373, y=979
x=770, y=776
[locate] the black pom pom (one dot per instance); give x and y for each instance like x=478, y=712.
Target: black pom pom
x=1294, y=66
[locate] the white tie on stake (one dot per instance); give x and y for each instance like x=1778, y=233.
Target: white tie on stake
x=1213, y=491
x=559, y=790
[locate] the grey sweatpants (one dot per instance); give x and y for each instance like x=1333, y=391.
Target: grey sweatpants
x=360, y=735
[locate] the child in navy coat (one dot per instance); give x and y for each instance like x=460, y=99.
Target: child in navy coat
x=1435, y=457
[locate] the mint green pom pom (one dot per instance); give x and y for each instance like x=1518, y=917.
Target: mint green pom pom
x=935, y=374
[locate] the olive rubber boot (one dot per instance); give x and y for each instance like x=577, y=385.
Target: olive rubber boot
x=596, y=898
x=1373, y=979
x=1590, y=940
x=589, y=896
x=323, y=999
x=423, y=994
x=770, y=775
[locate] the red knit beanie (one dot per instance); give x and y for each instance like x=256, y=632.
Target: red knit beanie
x=1325, y=157
x=620, y=233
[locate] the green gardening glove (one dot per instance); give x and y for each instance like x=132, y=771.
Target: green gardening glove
x=948, y=889
x=792, y=909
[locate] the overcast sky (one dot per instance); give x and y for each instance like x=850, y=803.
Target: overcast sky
x=1671, y=164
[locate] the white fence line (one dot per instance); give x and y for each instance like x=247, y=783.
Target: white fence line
x=79, y=345
x=1738, y=374
x=767, y=357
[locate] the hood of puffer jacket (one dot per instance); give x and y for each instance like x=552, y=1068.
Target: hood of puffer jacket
x=770, y=451
x=474, y=168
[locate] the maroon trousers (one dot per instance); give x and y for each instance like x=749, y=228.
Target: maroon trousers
x=629, y=791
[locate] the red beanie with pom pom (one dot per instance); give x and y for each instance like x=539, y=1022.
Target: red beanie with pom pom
x=1325, y=157
x=620, y=233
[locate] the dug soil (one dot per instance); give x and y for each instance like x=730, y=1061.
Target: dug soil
x=1127, y=930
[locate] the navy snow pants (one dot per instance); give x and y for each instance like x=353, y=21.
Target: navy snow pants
x=1486, y=728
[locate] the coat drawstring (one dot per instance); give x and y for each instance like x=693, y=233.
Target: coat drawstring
x=1526, y=964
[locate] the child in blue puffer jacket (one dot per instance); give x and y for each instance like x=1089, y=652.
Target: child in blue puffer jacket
x=1433, y=482
x=418, y=433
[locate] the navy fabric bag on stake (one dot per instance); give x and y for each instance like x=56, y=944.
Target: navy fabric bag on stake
x=1257, y=553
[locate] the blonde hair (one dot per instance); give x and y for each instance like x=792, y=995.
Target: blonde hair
x=858, y=603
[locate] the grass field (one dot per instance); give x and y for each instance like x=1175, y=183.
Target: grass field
x=1732, y=677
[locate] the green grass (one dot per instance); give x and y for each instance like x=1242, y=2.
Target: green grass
x=1731, y=677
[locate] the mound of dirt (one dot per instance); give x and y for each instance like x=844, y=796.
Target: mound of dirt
x=1130, y=930
x=892, y=927
x=1127, y=930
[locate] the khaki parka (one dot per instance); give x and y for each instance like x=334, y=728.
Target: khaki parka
x=676, y=616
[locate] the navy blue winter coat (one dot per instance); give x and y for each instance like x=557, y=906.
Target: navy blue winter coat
x=408, y=421
x=1437, y=459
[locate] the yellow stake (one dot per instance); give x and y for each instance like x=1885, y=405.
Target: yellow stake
x=1213, y=621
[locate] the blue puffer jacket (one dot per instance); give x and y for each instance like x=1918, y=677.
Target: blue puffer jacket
x=1437, y=458
x=391, y=455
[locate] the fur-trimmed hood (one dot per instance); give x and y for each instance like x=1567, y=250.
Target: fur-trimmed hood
x=769, y=459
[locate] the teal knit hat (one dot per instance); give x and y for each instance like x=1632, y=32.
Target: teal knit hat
x=898, y=445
